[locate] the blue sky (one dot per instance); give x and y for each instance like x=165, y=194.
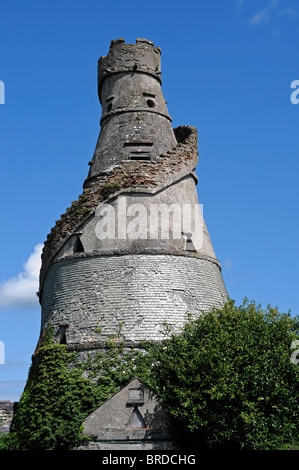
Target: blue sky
x=227, y=69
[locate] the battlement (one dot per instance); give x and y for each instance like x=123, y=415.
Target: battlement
x=142, y=57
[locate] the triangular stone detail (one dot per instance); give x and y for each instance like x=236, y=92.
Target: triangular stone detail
x=136, y=420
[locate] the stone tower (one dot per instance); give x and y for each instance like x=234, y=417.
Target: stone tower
x=133, y=252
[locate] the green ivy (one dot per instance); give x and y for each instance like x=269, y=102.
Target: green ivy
x=226, y=380
x=109, y=188
x=57, y=397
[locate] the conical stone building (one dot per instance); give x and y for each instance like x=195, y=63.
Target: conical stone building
x=133, y=252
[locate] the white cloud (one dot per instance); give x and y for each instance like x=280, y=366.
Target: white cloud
x=264, y=15
x=261, y=17
x=20, y=291
x=291, y=10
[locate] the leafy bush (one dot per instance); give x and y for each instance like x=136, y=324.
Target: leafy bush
x=229, y=380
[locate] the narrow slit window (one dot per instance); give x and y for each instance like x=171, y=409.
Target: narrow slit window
x=145, y=156
x=138, y=144
x=109, y=101
x=63, y=337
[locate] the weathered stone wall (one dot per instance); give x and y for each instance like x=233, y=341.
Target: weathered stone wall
x=140, y=57
x=117, y=142
x=146, y=222
x=132, y=419
x=7, y=409
x=90, y=297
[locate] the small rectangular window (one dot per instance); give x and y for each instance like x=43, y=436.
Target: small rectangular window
x=139, y=150
x=135, y=143
x=145, y=156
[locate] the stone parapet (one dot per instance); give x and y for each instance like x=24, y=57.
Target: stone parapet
x=140, y=57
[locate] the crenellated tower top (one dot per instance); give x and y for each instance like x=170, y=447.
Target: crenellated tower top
x=135, y=123
x=140, y=57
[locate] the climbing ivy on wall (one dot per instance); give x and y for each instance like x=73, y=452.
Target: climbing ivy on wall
x=61, y=391
x=227, y=379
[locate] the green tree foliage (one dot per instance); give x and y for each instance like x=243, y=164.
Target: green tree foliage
x=229, y=380
x=226, y=380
